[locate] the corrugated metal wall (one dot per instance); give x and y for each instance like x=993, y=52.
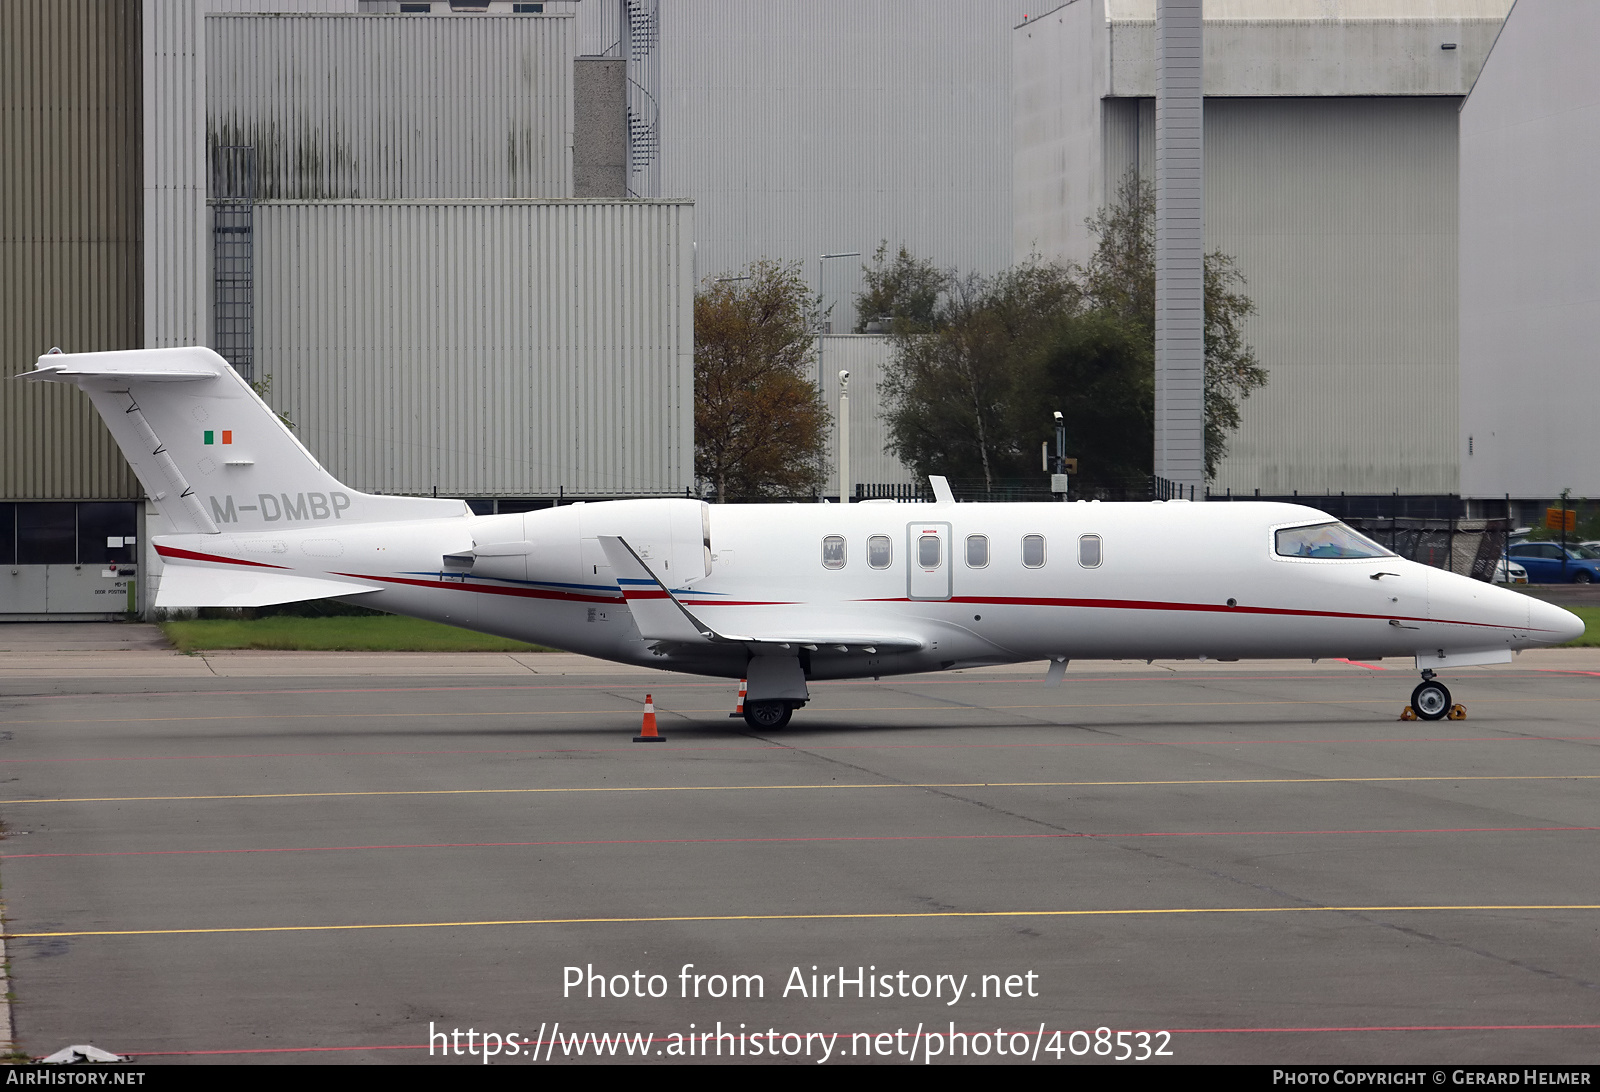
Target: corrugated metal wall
x=176, y=228
x=1341, y=213
x=513, y=348
x=383, y=107
x=864, y=356
x=327, y=6
x=1530, y=260
x=822, y=127
x=69, y=233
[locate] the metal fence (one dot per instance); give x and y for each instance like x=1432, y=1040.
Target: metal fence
x=1016, y=490
x=233, y=202
x=1471, y=547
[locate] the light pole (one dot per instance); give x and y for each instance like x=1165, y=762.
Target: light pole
x=844, y=437
x=820, y=259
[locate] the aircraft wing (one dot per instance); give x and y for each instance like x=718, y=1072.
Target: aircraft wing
x=661, y=617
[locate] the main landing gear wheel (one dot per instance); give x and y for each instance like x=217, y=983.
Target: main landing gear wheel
x=1431, y=700
x=767, y=716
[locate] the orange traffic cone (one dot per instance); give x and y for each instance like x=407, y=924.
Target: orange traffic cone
x=738, y=710
x=648, y=733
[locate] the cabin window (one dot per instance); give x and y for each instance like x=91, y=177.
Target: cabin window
x=928, y=552
x=1331, y=540
x=833, y=552
x=880, y=552
x=1033, y=551
x=1089, y=551
x=977, y=551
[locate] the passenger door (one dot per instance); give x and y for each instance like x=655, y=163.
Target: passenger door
x=928, y=561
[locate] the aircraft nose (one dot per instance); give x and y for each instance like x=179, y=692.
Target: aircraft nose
x=1552, y=625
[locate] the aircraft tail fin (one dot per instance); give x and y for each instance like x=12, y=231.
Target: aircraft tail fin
x=209, y=451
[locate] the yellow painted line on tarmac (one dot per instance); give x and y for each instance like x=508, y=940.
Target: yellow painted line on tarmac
x=847, y=785
x=940, y=708
x=923, y=915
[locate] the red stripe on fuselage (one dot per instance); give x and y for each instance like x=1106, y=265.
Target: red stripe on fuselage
x=1210, y=608
x=191, y=555
x=521, y=593
x=994, y=601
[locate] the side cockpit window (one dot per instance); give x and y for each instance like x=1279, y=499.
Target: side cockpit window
x=1326, y=540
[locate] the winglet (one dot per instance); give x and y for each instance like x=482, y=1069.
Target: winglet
x=659, y=616
x=941, y=489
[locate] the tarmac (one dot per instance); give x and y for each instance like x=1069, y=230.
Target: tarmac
x=344, y=857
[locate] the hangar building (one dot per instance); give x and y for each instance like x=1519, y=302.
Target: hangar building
x=416, y=231
x=1330, y=135
x=1530, y=233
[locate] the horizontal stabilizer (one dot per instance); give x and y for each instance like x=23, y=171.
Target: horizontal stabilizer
x=127, y=370
x=188, y=586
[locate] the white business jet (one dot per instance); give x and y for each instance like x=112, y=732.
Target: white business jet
x=779, y=594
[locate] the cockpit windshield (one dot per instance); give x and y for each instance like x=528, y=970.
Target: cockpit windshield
x=1326, y=540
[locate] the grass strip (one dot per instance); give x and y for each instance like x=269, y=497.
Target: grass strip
x=1591, y=633
x=388, y=633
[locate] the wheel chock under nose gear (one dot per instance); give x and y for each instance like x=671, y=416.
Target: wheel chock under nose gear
x=1408, y=713
x=1457, y=712
x=648, y=733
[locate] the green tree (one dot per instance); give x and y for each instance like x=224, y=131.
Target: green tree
x=1121, y=278
x=760, y=425
x=954, y=389
x=1096, y=370
x=974, y=379
x=904, y=290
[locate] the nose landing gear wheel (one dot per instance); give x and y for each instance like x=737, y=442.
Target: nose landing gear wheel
x=1431, y=700
x=767, y=715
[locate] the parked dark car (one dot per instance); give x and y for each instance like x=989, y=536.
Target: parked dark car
x=1543, y=562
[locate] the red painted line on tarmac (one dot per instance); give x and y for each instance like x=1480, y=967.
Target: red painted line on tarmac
x=620, y=749
x=804, y=839
x=268, y=1050
x=1388, y=1027
x=1358, y=663
x=913, y=679
x=525, y=1043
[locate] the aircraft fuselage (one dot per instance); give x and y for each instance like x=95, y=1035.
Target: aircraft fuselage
x=1080, y=581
